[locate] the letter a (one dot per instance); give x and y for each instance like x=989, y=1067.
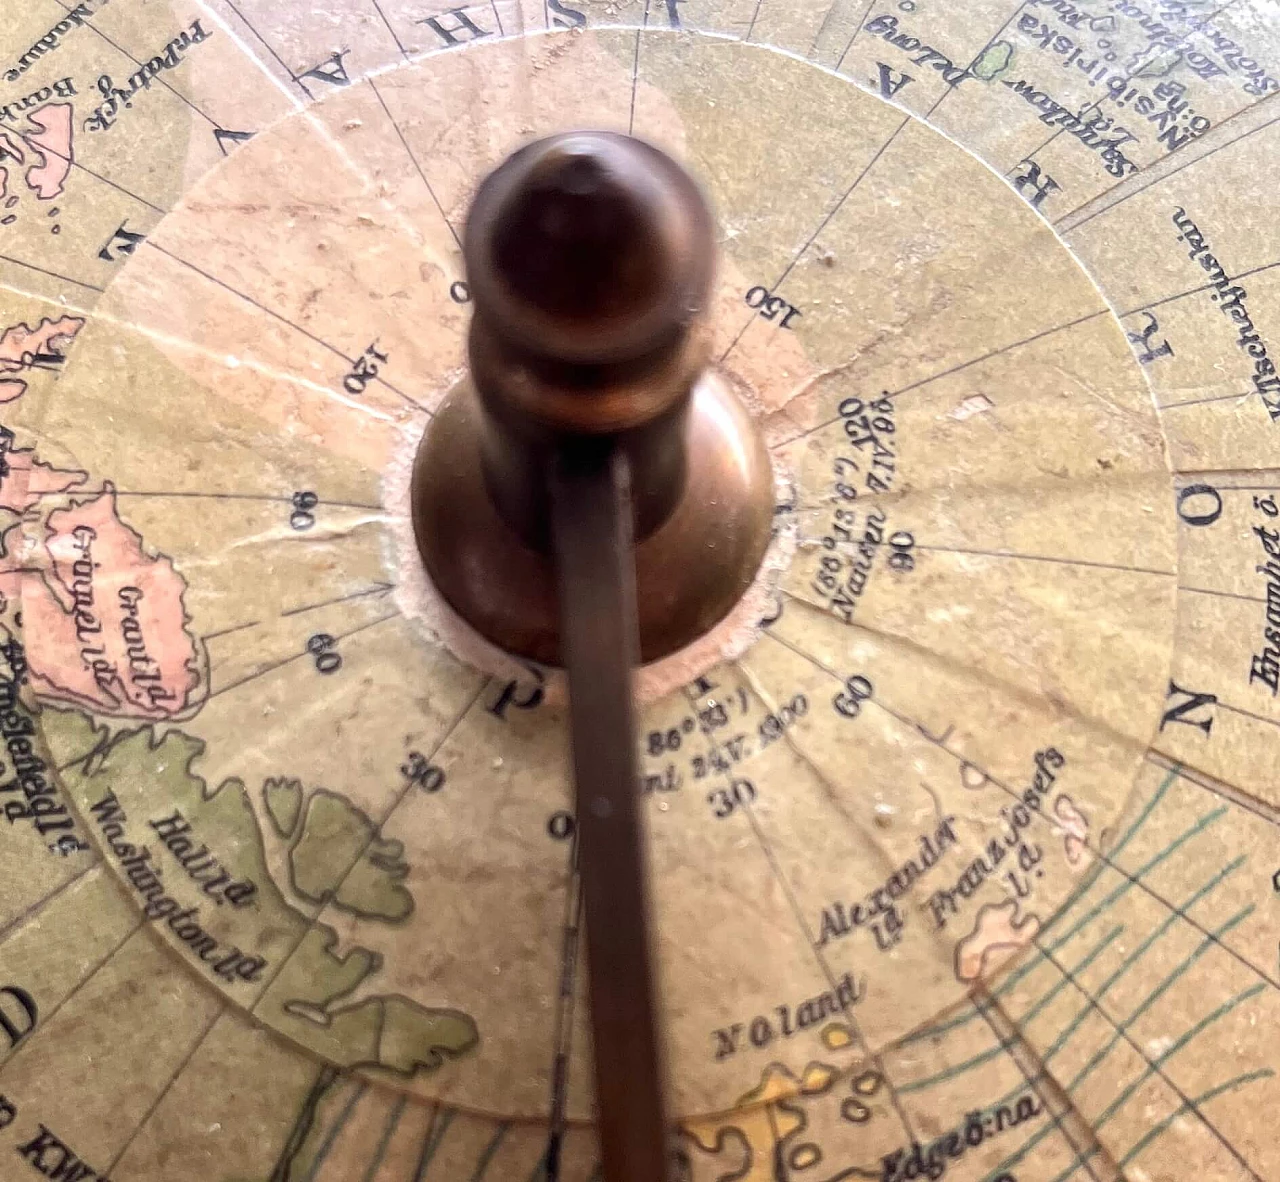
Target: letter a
x=331, y=70
x=891, y=83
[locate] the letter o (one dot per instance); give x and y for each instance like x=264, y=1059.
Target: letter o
x=761, y=1032
x=1199, y=490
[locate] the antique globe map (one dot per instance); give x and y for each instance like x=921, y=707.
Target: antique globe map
x=963, y=844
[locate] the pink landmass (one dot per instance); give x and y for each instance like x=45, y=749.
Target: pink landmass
x=52, y=143
x=1076, y=830
x=22, y=346
x=24, y=480
x=995, y=931
x=106, y=626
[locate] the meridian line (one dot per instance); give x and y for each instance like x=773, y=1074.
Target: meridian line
x=164, y=1091
x=160, y=77
x=1068, y=1031
x=282, y=319
x=794, y=904
x=797, y=912
x=1222, y=594
x=1182, y=1041
x=821, y=226
x=394, y=35
x=228, y=631
x=313, y=921
x=1133, y=879
x=946, y=373
x=894, y=135
x=1163, y=406
x=414, y=161
x=39, y=905
x=51, y=274
x=986, y=1056
x=1195, y=290
x=92, y=972
x=267, y=46
x=108, y=181
x=635, y=72
x=754, y=17
x=380, y=589
x=1121, y=1031
x=857, y=28
x=294, y=657
x=1164, y=176
x=1137, y=570
x=1204, y=1097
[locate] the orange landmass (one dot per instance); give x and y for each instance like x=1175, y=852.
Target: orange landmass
x=996, y=930
x=52, y=143
x=22, y=346
x=24, y=479
x=106, y=625
x=1075, y=827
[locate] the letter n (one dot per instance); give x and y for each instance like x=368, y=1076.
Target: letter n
x=891, y=82
x=30, y=1015
x=1180, y=711
x=1040, y=184
x=460, y=29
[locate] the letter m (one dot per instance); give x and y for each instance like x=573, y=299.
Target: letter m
x=1182, y=711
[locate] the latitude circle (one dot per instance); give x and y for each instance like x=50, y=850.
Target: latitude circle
x=977, y=682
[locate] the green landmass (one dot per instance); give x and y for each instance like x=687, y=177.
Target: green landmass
x=993, y=61
x=309, y=981
x=337, y=856
x=283, y=798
